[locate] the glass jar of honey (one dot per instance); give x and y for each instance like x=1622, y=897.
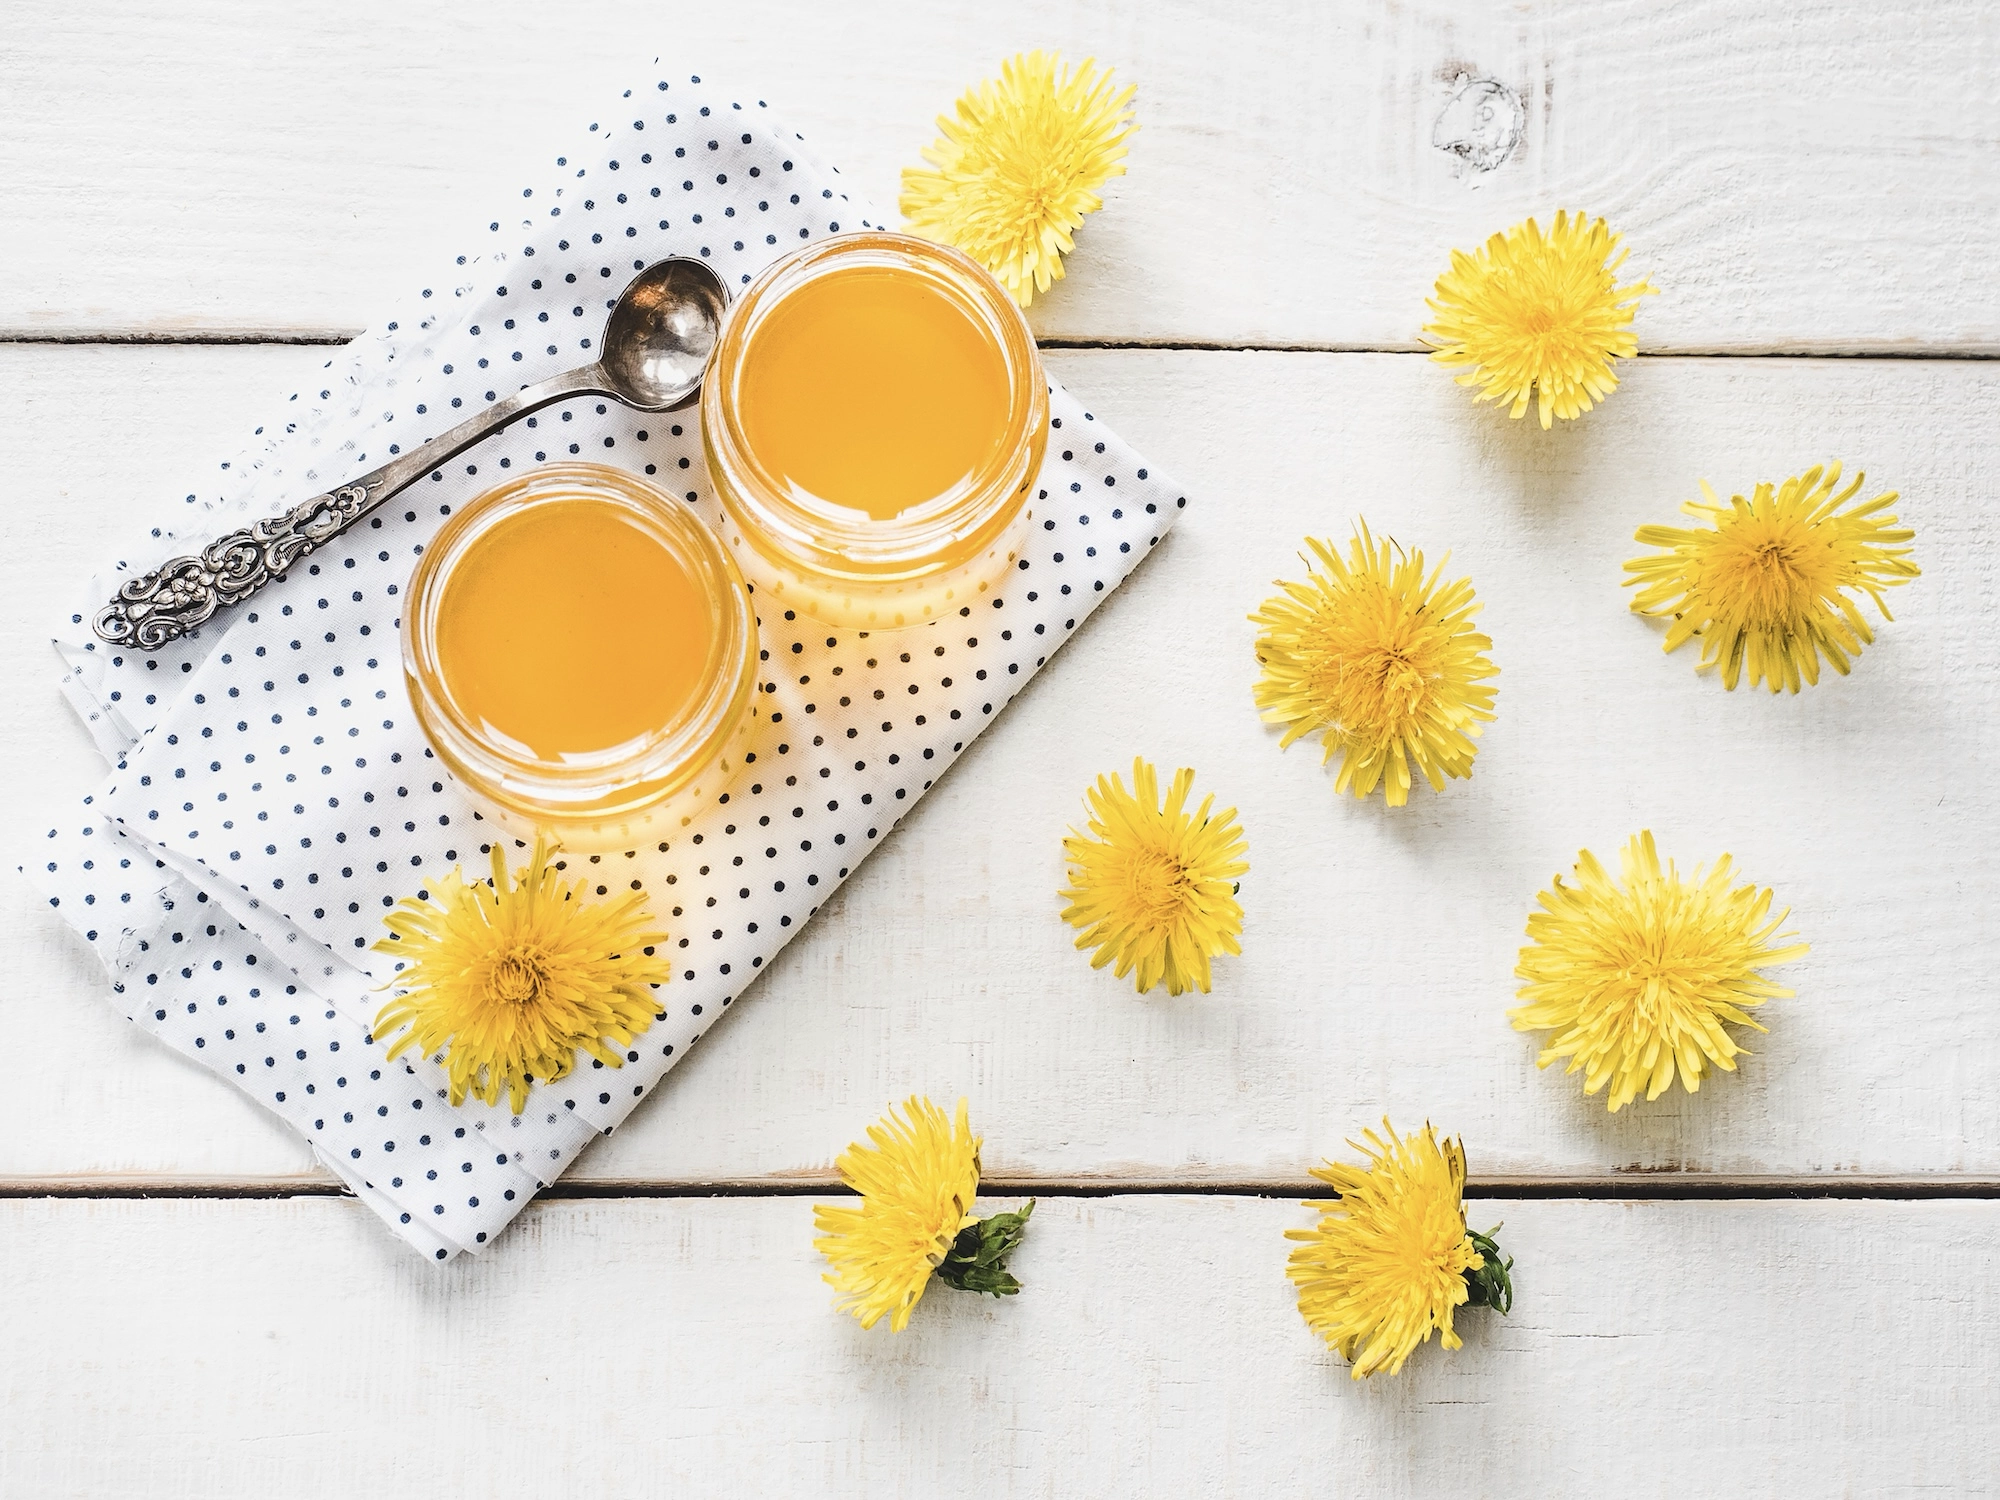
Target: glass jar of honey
x=875, y=413
x=582, y=654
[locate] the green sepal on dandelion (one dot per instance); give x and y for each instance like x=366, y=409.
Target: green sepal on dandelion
x=1391, y=1260
x=1490, y=1283
x=1017, y=165
x=1637, y=977
x=1153, y=884
x=917, y=1177
x=1535, y=317
x=1381, y=660
x=1771, y=584
x=509, y=980
x=977, y=1259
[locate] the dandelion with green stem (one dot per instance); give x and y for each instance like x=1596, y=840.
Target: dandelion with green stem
x=1391, y=1259
x=917, y=1178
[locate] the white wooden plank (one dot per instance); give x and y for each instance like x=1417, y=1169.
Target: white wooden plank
x=219, y=1349
x=1377, y=969
x=1802, y=179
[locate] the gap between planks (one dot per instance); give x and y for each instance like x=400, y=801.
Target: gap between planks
x=1609, y=1186
x=333, y=338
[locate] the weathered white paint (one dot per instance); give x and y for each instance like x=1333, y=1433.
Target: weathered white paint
x=1380, y=944
x=1815, y=178
x=220, y=1349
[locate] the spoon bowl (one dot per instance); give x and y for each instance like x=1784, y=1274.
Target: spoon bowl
x=661, y=332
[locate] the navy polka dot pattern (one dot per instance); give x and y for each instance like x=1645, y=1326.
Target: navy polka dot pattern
x=273, y=797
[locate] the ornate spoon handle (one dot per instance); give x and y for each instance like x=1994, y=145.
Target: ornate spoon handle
x=184, y=593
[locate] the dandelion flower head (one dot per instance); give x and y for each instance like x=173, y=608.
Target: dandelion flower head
x=1541, y=316
x=511, y=979
x=1387, y=1263
x=1018, y=165
x=1382, y=661
x=1153, y=885
x=1771, y=583
x=917, y=1177
x=1637, y=978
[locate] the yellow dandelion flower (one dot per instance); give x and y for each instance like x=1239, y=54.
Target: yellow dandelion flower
x=1019, y=166
x=1541, y=315
x=917, y=1181
x=1391, y=1259
x=1637, y=979
x=1382, y=661
x=1154, y=887
x=1766, y=583
x=511, y=980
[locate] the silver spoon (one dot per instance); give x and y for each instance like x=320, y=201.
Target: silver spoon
x=655, y=347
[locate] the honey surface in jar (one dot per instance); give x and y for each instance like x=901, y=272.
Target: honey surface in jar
x=568, y=629
x=871, y=389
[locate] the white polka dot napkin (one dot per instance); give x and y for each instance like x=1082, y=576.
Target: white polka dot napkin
x=273, y=796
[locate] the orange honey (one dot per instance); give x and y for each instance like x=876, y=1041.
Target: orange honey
x=871, y=389
x=569, y=630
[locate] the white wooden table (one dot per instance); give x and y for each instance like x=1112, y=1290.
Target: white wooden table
x=1786, y=1281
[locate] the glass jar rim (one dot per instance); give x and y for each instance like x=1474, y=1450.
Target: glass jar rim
x=835, y=537
x=657, y=761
